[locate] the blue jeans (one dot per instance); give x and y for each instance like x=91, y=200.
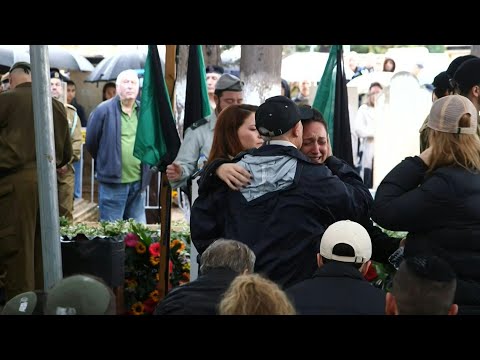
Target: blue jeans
x=122, y=202
x=77, y=193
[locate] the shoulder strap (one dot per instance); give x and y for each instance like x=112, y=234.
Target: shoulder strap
x=198, y=123
x=72, y=130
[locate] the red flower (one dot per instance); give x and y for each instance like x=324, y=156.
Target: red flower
x=149, y=305
x=154, y=249
x=131, y=239
x=371, y=273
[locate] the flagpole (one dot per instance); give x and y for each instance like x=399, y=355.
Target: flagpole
x=165, y=188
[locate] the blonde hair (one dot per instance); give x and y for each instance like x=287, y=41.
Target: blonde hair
x=455, y=149
x=252, y=294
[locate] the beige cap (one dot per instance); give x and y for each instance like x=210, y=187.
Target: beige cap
x=447, y=111
x=350, y=233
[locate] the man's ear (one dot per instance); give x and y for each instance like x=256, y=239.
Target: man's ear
x=297, y=129
x=453, y=310
x=319, y=260
x=365, y=266
x=390, y=304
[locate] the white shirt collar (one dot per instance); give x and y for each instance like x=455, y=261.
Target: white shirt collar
x=281, y=142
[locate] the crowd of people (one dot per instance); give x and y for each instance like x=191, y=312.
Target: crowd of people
x=281, y=224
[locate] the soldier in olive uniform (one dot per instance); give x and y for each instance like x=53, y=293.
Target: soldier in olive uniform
x=198, y=138
x=21, y=267
x=66, y=174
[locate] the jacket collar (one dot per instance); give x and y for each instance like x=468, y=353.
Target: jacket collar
x=338, y=269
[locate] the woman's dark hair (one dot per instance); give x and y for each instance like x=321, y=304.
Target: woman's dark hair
x=105, y=87
x=388, y=60
x=225, y=138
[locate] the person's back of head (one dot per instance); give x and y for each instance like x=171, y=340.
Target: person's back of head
x=279, y=117
x=252, y=294
x=441, y=85
x=347, y=242
x=453, y=137
x=230, y=254
x=28, y=303
x=81, y=295
x=20, y=73
x=467, y=76
x=455, y=64
x=423, y=285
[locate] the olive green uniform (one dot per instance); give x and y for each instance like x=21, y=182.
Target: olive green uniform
x=21, y=267
x=66, y=181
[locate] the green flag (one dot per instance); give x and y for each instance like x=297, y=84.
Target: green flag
x=157, y=141
x=331, y=100
x=197, y=105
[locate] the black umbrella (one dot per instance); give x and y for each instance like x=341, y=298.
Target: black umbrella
x=10, y=54
x=109, y=68
x=63, y=59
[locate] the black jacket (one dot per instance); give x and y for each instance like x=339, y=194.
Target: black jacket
x=382, y=244
x=337, y=289
x=199, y=297
x=441, y=212
x=282, y=227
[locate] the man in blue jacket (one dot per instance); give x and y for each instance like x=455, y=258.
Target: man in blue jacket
x=111, y=132
x=282, y=214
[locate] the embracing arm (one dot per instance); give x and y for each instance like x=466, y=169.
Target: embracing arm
x=207, y=220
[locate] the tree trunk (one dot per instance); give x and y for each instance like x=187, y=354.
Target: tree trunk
x=181, y=86
x=476, y=50
x=260, y=67
x=211, y=54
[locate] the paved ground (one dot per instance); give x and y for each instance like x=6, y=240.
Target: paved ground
x=177, y=214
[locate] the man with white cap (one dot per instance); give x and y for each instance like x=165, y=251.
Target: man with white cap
x=339, y=287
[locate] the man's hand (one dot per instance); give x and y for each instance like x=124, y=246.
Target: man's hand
x=62, y=170
x=235, y=176
x=174, y=172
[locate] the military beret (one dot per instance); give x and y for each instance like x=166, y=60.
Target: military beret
x=454, y=65
x=22, y=65
x=214, y=69
x=468, y=74
x=276, y=116
x=28, y=303
x=441, y=81
x=56, y=74
x=79, y=295
x=229, y=82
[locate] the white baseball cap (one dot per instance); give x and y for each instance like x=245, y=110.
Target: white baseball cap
x=350, y=233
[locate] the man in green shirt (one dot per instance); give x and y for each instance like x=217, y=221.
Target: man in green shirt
x=111, y=132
